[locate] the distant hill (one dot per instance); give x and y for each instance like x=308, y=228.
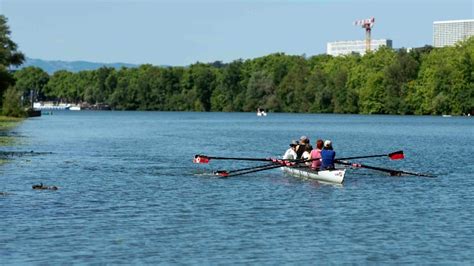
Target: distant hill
x=52, y=66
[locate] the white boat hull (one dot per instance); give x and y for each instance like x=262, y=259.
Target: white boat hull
x=330, y=176
x=49, y=106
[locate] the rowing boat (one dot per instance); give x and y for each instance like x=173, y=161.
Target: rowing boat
x=331, y=176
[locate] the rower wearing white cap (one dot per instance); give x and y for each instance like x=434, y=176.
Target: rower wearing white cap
x=327, y=156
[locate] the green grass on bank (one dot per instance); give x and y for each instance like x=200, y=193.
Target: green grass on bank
x=7, y=122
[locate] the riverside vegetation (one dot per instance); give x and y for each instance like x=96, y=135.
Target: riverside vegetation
x=10, y=99
x=422, y=81
x=9, y=95
x=6, y=123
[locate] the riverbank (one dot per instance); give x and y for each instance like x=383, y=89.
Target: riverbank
x=7, y=123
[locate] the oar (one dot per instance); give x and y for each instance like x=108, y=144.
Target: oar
x=275, y=164
x=397, y=155
x=225, y=172
x=392, y=172
x=198, y=158
x=230, y=173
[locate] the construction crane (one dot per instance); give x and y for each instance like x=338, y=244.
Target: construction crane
x=367, y=24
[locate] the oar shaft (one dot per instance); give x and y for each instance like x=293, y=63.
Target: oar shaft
x=394, y=156
x=256, y=170
x=205, y=159
x=240, y=158
x=416, y=174
x=362, y=166
x=392, y=172
x=362, y=157
x=277, y=164
x=251, y=168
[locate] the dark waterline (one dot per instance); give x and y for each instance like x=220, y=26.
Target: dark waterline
x=129, y=192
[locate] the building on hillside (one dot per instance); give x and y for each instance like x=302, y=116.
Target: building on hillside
x=349, y=47
x=449, y=32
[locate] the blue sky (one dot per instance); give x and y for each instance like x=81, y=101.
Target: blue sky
x=182, y=32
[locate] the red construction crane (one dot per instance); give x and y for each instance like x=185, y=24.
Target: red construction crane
x=367, y=24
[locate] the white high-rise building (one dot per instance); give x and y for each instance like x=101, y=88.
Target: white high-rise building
x=349, y=47
x=446, y=33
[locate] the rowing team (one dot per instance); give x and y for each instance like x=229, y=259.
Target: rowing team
x=321, y=157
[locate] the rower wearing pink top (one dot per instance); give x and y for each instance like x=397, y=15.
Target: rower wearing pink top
x=316, y=155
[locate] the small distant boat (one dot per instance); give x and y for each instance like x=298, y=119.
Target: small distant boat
x=75, y=108
x=261, y=112
x=330, y=176
x=51, y=106
x=447, y=115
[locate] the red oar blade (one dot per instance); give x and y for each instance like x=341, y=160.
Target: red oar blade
x=201, y=159
x=398, y=155
x=222, y=173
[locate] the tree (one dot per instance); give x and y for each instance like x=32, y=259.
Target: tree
x=203, y=80
x=291, y=90
x=344, y=98
x=228, y=87
x=59, y=85
x=260, y=89
x=398, y=75
x=444, y=83
x=9, y=56
x=372, y=90
x=31, y=79
x=12, y=103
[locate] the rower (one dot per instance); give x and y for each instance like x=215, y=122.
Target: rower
x=290, y=154
x=316, y=155
x=327, y=156
x=307, y=154
x=304, y=141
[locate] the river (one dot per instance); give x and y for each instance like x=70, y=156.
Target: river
x=130, y=193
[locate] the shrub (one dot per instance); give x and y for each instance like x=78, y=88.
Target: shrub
x=12, y=103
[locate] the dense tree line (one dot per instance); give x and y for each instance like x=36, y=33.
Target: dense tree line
x=423, y=81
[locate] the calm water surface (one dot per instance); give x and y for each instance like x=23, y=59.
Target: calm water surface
x=129, y=191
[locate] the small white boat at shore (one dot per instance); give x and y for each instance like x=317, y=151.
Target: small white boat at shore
x=329, y=176
x=75, y=108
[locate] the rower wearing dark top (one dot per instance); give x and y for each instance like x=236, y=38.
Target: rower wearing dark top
x=327, y=156
x=304, y=141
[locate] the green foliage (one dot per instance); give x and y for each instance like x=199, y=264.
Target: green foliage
x=60, y=85
x=260, y=90
x=12, y=105
x=8, y=52
x=445, y=83
x=423, y=81
x=227, y=96
x=9, y=56
x=31, y=79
